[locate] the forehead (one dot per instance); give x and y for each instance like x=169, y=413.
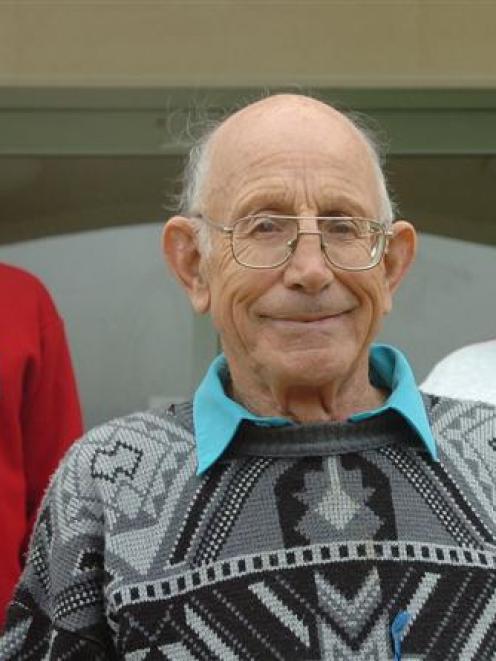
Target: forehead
x=292, y=153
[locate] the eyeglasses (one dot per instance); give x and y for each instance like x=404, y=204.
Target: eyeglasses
x=265, y=241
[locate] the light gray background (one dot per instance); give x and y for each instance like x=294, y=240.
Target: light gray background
x=134, y=337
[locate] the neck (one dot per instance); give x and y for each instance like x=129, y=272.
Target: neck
x=336, y=400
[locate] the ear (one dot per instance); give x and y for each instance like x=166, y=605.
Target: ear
x=180, y=247
x=400, y=255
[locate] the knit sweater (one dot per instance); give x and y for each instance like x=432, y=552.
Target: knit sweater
x=301, y=542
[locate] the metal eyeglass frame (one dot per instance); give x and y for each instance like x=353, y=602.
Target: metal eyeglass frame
x=379, y=228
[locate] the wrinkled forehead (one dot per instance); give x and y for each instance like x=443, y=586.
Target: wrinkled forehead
x=281, y=134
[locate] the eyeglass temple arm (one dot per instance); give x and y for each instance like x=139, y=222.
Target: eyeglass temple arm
x=221, y=228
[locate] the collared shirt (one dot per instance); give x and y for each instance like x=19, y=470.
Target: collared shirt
x=216, y=416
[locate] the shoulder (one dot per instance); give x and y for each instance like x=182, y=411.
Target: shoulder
x=468, y=373
x=13, y=276
x=26, y=294
x=466, y=427
x=128, y=451
x=448, y=413
x=467, y=355
x=465, y=432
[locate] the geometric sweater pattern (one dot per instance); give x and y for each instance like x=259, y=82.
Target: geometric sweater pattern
x=301, y=542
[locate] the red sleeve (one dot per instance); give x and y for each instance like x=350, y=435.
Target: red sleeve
x=51, y=414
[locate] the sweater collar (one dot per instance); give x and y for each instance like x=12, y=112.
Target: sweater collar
x=216, y=417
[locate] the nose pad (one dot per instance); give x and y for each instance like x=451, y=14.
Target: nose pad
x=292, y=243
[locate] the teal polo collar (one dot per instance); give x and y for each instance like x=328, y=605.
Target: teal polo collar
x=216, y=417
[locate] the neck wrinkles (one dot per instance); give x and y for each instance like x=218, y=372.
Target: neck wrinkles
x=335, y=401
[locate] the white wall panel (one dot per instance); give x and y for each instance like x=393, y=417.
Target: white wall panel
x=134, y=336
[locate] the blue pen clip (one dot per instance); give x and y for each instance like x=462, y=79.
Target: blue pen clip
x=397, y=629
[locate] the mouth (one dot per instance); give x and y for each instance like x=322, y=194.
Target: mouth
x=308, y=322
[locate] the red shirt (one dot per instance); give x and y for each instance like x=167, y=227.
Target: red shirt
x=40, y=414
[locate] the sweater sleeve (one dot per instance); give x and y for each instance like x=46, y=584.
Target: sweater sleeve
x=58, y=610
x=51, y=415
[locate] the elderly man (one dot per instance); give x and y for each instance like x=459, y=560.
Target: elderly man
x=308, y=503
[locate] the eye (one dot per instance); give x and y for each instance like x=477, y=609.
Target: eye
x=263, y=225
x=343, y=228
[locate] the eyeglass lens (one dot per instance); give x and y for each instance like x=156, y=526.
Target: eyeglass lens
x=264, y=241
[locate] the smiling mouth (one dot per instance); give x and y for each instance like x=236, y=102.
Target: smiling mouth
x=309, y=321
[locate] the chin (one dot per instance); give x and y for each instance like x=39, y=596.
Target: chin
x=308, y=368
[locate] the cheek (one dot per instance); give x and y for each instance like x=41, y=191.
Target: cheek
x=373, y=296
x=379, y=304
x=234, y=290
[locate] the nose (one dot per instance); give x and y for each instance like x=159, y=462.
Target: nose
x=307, y=268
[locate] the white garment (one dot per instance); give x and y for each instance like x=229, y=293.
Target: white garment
x=468, y=373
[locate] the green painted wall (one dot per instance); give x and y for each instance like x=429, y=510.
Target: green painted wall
x=79, y=159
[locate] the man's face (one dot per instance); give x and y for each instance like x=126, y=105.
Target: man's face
x=304, y=323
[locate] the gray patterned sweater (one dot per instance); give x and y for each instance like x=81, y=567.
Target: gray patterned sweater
x=303, y=542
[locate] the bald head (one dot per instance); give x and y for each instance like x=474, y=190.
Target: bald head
x=277, y=112
x=295, y=124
